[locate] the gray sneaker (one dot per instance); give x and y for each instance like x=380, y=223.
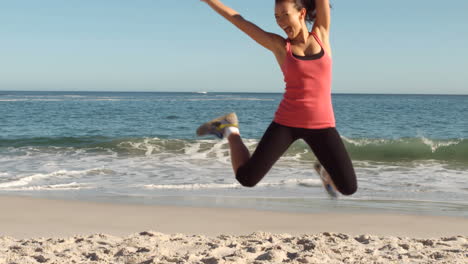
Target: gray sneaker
x=217, y=125
x=325, y=180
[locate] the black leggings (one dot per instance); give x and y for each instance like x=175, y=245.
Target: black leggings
x=325, y=143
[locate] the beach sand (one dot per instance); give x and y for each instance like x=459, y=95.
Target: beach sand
x=34, y=230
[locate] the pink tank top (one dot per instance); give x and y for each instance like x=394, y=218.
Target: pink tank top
x=307, y=101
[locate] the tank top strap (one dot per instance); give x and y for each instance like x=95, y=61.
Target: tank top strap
x=288, y=45
x=317, y=38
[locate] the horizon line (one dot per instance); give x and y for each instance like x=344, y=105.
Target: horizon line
x=201, y=92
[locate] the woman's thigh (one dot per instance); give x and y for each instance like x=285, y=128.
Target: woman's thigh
x=331, y=153
x=274, y=142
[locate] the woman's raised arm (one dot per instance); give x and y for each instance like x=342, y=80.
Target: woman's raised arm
x=322, y=18
x=268, y=40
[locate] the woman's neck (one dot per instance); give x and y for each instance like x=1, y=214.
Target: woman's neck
x=302, y=37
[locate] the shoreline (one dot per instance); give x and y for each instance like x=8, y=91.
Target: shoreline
x=25, y=217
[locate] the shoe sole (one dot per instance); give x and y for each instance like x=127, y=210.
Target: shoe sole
x=328, y=187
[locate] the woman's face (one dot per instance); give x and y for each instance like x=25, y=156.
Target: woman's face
x=288, y=18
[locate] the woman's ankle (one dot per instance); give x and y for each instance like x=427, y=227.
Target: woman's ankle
x=233, y=136
x=231, y=130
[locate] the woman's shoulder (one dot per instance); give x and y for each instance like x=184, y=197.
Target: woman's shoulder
x=279, y=44
x=278, y=41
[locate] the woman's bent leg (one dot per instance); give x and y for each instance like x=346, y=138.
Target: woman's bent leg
x=239, y=152
x=331, y=153
x=249, y=171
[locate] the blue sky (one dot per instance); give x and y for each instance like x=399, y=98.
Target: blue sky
x=115, y=45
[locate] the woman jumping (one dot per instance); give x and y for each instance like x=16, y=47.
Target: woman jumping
x=306, y=111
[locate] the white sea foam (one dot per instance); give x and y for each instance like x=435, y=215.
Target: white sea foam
x=26, y=180
x=193, y=149
x=193, y=186
x=435, y=145
x=305, y=182
x=364, y=141
x=218, y=150
x=63, y=174
x=146, y=145
x=287, y=182
x=52, y=187
x=203, y=167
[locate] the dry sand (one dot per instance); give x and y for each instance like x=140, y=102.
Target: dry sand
x=54, y=231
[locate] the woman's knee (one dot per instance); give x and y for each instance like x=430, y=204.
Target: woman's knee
x=247, y=178
x=348, y=189
x=246, y=182
x=344, y=179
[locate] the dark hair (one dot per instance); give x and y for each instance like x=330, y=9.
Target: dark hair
x=309, y=5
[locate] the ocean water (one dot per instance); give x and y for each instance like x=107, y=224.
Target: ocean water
x=410, y=152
